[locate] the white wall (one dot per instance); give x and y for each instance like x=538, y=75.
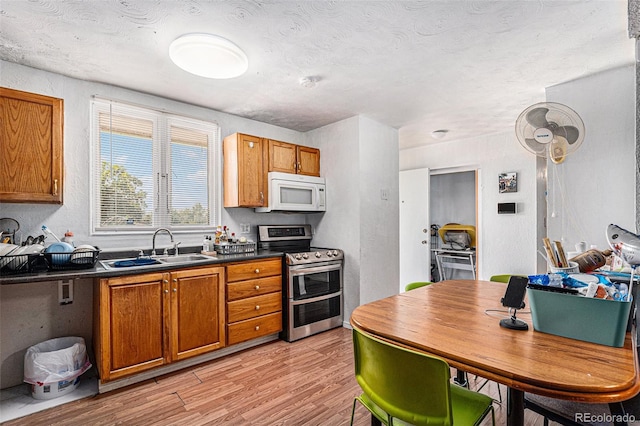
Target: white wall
x=505, y=243
x=595, y=186
x=359, y=159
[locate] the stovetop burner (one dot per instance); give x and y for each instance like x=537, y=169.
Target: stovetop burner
x=295, y=242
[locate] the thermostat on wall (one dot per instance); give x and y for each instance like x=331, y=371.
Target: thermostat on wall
x=506, y=208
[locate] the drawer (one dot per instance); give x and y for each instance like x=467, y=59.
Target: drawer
x=254, y=306
x=258, y=269
x=250, y=288
x=255, y=327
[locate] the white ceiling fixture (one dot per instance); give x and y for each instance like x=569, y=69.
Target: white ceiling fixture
x=439, y=134
x=309, y=82
x=209, y=56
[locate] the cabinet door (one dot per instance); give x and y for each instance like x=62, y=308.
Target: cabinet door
x=282, y=157
x=244, y=171
x=197, y=312
x=133, y=336
x=31, y=159
x=308, y=161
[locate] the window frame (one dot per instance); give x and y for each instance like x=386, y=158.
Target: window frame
x=161, y=163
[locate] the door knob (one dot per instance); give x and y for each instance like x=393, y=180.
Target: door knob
x=424, y=241
x=424, y=231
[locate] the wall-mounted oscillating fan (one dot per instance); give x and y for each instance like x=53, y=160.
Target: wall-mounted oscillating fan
x=550, y=129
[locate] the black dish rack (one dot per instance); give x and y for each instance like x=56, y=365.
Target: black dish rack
x=42, y=262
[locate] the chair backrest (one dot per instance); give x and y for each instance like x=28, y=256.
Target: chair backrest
x=417, y=284
x=503, y=278
x=408, y=385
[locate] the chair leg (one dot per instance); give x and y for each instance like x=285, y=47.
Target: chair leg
x=353, y=410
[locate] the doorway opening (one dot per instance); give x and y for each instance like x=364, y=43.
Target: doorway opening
x=453, y=199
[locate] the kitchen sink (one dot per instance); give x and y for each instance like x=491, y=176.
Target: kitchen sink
x=146, y=262
x=184, y=258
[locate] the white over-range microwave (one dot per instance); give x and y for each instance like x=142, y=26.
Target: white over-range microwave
x=295, y=193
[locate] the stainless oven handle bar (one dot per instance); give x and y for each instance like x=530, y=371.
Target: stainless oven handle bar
x=325, y=267
x=314, y=299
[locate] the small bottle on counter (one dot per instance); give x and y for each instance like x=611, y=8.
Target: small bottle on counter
x=233, y=238
x=591, y=259
x=68, y=238
x=205, y=244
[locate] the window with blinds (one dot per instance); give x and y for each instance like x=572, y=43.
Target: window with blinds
x=152, y=169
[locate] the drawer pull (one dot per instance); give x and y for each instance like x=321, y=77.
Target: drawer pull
x=257, y=307
x=175, y=290
x=257, y=287
x=166, y=291
x=257, y=271
x=257, y=327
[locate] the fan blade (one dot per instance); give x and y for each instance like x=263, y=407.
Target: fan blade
x=570, y=133
x=538, y=117
x=536, y=147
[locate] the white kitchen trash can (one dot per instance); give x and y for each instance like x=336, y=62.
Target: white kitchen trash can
x=53, y=367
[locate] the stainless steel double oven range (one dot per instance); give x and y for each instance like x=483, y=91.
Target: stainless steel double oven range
x=312, y=285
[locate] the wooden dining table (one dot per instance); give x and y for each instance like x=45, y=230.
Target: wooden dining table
x=458, y=320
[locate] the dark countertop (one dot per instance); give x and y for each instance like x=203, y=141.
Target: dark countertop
x=99, y=271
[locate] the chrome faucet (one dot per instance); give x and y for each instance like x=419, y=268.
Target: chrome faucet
x=153, y=247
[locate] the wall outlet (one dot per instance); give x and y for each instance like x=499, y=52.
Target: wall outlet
x=384, y=194
x=65, y=292
x=245, y=228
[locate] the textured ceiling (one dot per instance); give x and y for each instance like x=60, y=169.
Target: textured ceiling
x=469, y=67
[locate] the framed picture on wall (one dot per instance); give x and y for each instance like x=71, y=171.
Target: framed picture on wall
x=508, y=182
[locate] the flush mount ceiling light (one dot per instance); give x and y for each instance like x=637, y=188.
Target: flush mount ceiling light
x=439, y=134
x=208, y=55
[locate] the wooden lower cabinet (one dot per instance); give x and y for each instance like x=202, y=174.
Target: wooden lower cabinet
x=148, y=320
x=254, y=299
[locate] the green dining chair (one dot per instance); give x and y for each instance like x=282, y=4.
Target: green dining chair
x=503, y=278
x=401, y=385
x=416, y=284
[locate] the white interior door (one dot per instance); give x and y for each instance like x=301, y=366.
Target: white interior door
x=415, y=253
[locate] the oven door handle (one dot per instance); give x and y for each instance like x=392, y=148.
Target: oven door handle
x=314, y=269
x=294, y=302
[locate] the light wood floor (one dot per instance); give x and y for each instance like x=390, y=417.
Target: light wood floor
x=308, y=382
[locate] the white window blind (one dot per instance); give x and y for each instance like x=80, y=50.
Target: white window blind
x=152, y=169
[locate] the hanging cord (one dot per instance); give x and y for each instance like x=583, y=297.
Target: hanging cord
x=566, y=207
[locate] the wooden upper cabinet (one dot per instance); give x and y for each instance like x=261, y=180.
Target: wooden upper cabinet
x=31, y=147
x=282, y=157
x=308, y=160
x=290, y=158
x=245, y=173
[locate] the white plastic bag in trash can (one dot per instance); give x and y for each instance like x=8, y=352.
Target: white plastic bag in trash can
x=64, y=358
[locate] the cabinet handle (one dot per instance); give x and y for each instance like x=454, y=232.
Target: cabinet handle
x=261, y=197
x=257, y=307
x=175, y=290
x=166, y=291
x=257, y=287
x=257, y=327
x=257, y=271
x=299, y=167
x=175, y=280
x=165, y=281
x=55, y=187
